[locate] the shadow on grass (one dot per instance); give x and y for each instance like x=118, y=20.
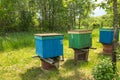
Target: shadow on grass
x=74, y=72
x=36, y=73
x=68, y=71
x=75, y=75
x=69, y=64
x=32, y=74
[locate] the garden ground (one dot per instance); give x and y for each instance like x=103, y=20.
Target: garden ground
x=18, y=64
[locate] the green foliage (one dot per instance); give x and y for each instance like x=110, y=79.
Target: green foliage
x=118, y=77
x=118, y=52
x=98, y=22
x=92, y=22
x=1, y=43
x=44, y=15
x=26, y=21
x=108, y=6
x=103, y=70
x=107, y=20
x=16, y=41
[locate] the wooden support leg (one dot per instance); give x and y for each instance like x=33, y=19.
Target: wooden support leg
x=75, y=58
x=86, y=55
x=62, y=58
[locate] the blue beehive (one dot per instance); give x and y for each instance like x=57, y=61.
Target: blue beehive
x=49, y=45
x=106, y=36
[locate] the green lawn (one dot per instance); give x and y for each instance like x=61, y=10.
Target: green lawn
x=18, y=64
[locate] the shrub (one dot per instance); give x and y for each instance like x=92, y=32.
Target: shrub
x=103, y=70
x=1, y=44
x=118, y=53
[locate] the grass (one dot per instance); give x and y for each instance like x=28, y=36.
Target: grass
x=16, y=41
x=18, y=64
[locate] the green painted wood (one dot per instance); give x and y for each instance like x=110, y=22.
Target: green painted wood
x=79, y=41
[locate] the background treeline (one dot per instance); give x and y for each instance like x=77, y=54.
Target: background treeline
x=44, y=15
x=51, y=15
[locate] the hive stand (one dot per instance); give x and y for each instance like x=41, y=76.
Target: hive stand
x=107, y=49
x=50, y=63
x=81, y=54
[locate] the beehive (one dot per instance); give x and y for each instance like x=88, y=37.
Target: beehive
x=80, y=39
x=49, y=45
x=106, y=36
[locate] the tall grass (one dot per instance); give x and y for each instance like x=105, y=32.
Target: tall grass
x=16, y=41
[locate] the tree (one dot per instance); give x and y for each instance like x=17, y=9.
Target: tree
x=115, y=23
x=52, y=15
x=78, y=10
x=112, y=6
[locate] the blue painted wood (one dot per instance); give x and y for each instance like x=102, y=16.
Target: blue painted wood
x=49, y=46
x=106, y=36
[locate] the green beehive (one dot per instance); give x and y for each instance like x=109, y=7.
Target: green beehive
x=79, y=39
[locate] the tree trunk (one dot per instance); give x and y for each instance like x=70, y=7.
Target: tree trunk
x=79, y=22
x=74, y=19
x=115, y=24
x=53, y=14
x=71, y=19
x=49, y=14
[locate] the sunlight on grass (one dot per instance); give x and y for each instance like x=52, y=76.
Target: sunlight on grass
x=18, y=64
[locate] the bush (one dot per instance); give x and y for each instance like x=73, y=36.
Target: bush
x=118, y=53
x=1, y=44
x=118, y=77
x=103, y=70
